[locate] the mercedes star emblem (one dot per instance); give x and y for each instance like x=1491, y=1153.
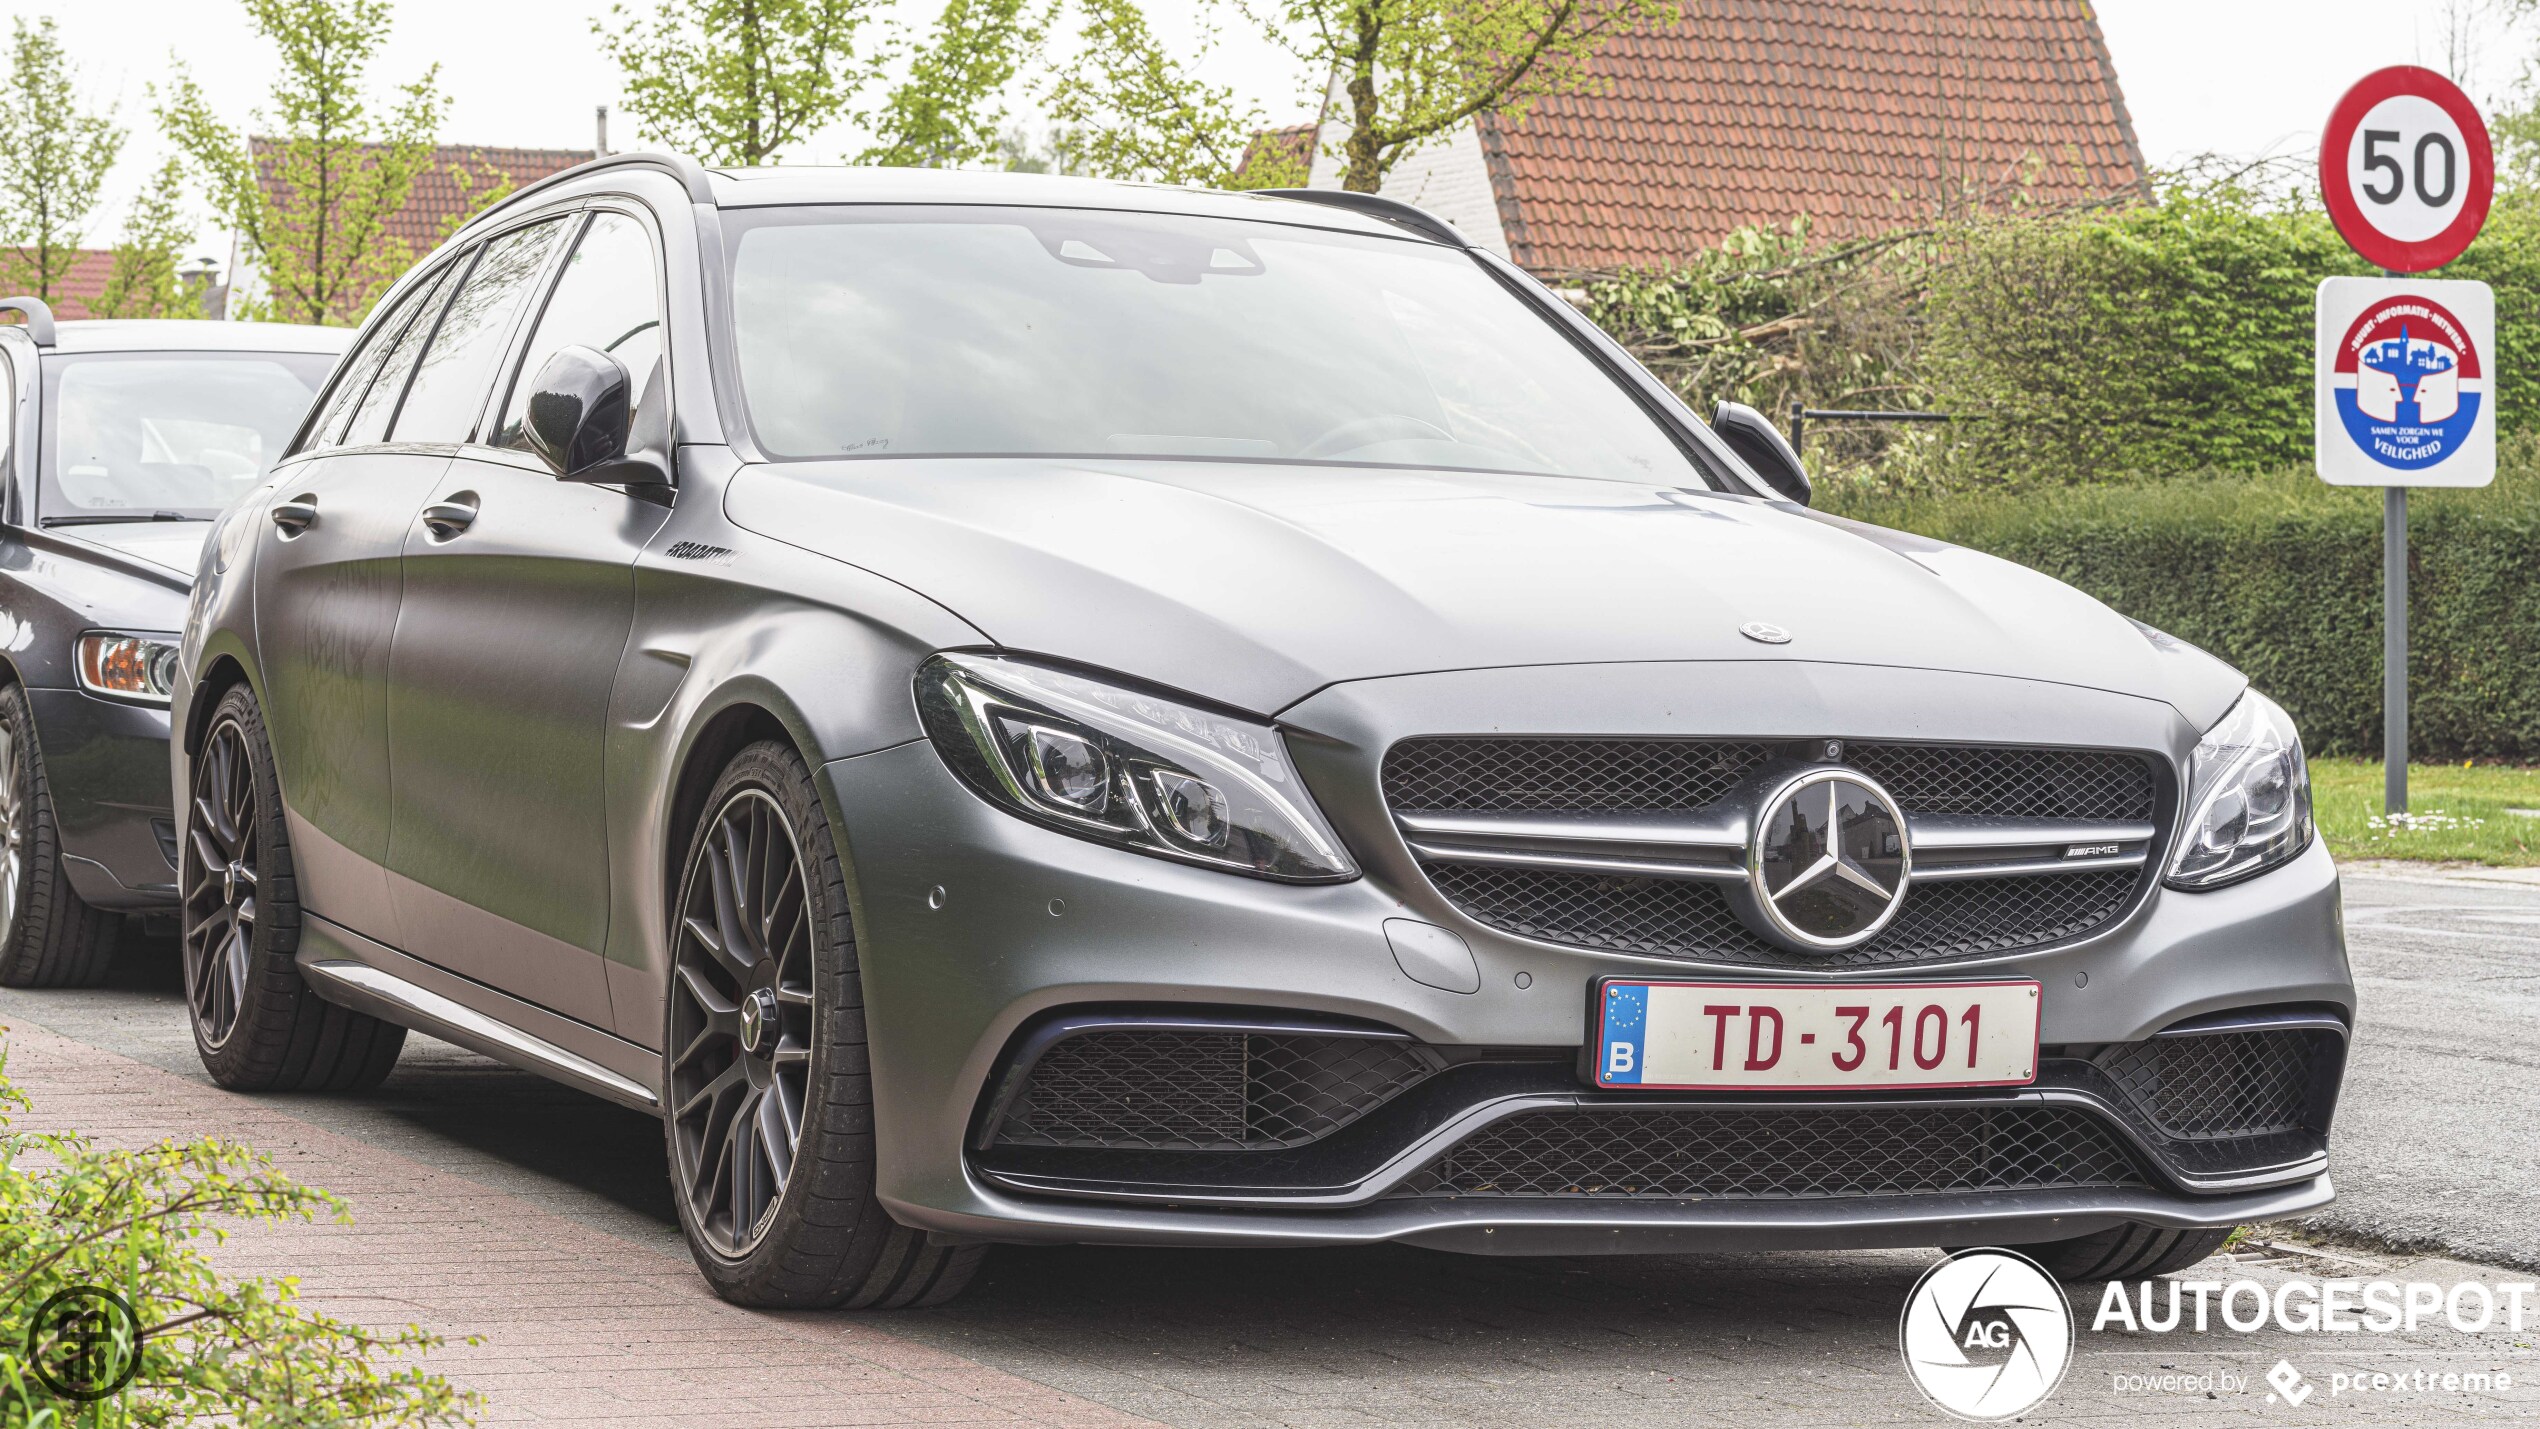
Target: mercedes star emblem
x=1828, y=862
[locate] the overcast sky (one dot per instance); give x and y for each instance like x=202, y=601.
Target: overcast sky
x=2237, y=77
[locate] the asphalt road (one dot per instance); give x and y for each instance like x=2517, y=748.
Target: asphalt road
x=2438, y=1138
x=2437, y=1155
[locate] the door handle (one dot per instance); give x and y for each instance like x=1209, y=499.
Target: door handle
x=445, y=519
x=295, y=515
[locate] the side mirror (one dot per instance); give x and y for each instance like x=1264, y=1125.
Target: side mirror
x=579, y=421
x=1761, y=447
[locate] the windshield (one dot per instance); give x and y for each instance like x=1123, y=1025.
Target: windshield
x=886, y=331
x=140, y=436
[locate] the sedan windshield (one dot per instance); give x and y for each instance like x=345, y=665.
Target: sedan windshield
x=161, y=435
x=884, y=331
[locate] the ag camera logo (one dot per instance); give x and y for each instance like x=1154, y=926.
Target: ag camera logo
x=1986, y=1335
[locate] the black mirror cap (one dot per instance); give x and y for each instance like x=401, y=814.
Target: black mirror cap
x=581, y=406
x=1760, y=445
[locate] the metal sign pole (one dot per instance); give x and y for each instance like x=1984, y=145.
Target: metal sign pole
x=2394, y=644
x=2394, y=649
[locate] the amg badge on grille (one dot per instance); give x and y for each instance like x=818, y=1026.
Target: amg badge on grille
x=1827, y=863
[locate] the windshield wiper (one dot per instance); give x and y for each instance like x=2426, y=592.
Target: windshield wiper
x=119, y=518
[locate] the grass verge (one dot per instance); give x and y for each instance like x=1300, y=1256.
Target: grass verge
x=2455, y=812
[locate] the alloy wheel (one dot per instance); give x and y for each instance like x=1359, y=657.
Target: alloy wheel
x=220, y=880
x=740, y=1022
x=12, y=841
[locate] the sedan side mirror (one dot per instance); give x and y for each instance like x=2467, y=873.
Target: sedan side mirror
x=1761, y=447
x=580, y=422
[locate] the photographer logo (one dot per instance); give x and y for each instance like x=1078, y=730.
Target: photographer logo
x=1986, y=1335
x=85, y=1343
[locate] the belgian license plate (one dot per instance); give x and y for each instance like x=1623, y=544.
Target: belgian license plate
x=1761, y=1036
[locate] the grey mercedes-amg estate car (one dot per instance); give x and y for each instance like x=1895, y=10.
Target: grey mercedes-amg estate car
x=1025, y=709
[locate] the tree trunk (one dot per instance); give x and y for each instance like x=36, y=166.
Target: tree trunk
x=1363, y=172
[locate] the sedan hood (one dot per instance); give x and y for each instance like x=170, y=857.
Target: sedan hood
x=1257, y=584
x=170, y=545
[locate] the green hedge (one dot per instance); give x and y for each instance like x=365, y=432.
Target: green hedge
x=2174, y=337
x=2281, y=576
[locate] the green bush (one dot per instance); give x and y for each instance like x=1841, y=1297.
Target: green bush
x=2281, y=576
x=211, y=1349
x=2174, y=337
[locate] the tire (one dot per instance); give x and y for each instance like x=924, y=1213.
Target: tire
x=766, y=1009
x=48, y=937
x=258, y=1025
x=2126, y=1253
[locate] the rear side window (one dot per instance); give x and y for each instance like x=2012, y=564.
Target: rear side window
x=607, y=298
x=450, y=383
x=369, y=422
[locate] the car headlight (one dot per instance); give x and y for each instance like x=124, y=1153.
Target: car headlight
x=2248, y=798
x=141, y=668
x=1123, y=766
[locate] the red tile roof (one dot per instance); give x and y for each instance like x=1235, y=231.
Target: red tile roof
x=1291, y=149
x=1864, y=114
x=454, y=185
x=84, y=284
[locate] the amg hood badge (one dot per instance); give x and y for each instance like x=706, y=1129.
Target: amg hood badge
x=1764, y=632
x=1827, y=864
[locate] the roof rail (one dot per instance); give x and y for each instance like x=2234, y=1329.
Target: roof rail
x=39, y=317
x=1391, y=210
x=690, y=174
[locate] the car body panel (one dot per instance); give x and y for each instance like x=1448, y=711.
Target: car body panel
x=509, y=636
x=1256, y=584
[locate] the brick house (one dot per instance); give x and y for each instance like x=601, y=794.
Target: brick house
x=85, y=282
x=1866, y=115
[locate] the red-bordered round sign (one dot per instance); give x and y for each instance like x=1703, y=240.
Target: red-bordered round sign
x=2406, y=168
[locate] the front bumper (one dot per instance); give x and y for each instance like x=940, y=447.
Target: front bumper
x=975, y=927
x=107, y=765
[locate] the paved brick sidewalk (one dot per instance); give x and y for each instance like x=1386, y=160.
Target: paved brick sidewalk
x=576, y=1324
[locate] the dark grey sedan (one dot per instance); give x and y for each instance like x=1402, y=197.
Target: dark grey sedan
x=128, y=438
x=1021, y=709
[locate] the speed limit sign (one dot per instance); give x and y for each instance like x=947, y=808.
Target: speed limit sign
x=2406, y=169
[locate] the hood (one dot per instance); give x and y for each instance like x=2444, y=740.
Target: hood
x=1257, y=584
x=170, y=545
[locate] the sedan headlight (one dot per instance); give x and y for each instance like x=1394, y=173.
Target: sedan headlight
x=140, y=668
x=2248, y=798
x=1123, y=766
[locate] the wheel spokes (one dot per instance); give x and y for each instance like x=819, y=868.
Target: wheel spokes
x=744, y=942
x=218, y=872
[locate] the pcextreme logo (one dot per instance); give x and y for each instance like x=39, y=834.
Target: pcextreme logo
x=1986, y=1335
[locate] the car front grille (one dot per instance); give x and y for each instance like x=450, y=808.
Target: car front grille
x=1691, y=918
x=2219, y=1086
x=1796, y=1153
x=1171, y=1090
x=1677, y=918
x=1467, y=774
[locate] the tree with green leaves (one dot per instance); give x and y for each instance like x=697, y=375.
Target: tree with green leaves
x=143, y=282
x=738, y=81
x=949, y=110
x=312, y=185
x=1131, y=109
x=1410, y=71
x=54, y=157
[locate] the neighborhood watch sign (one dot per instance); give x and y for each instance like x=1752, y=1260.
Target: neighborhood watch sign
x=2403, y=397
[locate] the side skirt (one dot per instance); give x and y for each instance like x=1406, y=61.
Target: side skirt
x=353, y=971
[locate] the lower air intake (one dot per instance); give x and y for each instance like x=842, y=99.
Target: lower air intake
x=1170, y=1090
x=1802, y=1153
